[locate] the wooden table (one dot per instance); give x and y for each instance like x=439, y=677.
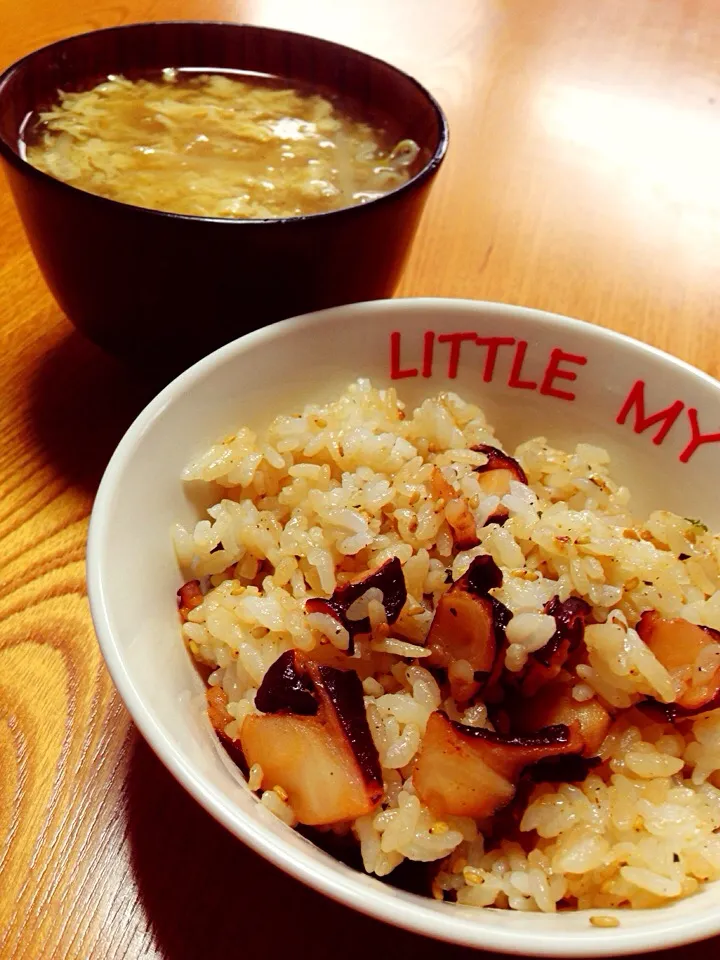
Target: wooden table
x=583, y=177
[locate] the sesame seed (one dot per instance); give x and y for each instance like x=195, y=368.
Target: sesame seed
x=605, y=921
x=439, y=827
x=472, y=876
x=281, y=792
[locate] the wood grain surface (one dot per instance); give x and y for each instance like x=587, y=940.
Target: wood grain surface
x=582, y=178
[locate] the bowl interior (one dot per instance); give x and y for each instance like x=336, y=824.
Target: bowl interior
x=82, y=61
x=133, y=575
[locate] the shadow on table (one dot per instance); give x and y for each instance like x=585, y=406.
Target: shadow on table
x=81, y=402
x=206, y=895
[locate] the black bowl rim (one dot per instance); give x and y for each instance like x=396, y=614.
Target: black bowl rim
x=12, y=157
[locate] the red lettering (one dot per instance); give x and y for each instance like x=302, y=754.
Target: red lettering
x=697, y=438
x=428, y=343
x=553, y=371
x=395, y=372
x=492, y=344
x=516, y=371
x=454, y=339
x=665, y=417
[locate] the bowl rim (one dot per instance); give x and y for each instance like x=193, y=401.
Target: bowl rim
x=12, y=156
x=409, y=911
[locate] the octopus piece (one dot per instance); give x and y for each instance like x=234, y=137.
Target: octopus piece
x=495, y=477
x=555, y=704
x=691, y=655
x=545, y=664
x=471, y=772
x=468, y=624
x=312, y=738
x=671, y=712
x=387, y=578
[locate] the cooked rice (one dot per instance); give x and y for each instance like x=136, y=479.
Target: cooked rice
x=336, y=490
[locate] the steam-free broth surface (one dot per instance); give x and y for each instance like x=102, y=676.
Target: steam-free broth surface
x=213, y=145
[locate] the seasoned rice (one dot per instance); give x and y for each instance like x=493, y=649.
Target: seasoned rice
x=330, y=492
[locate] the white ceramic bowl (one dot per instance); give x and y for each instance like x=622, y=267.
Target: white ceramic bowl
x=132, y=573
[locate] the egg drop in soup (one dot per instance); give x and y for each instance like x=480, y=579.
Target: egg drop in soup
x=214, y=145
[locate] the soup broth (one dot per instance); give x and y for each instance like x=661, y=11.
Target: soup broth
x=214, y=145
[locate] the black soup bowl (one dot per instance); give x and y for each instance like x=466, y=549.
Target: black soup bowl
x=163, y=289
